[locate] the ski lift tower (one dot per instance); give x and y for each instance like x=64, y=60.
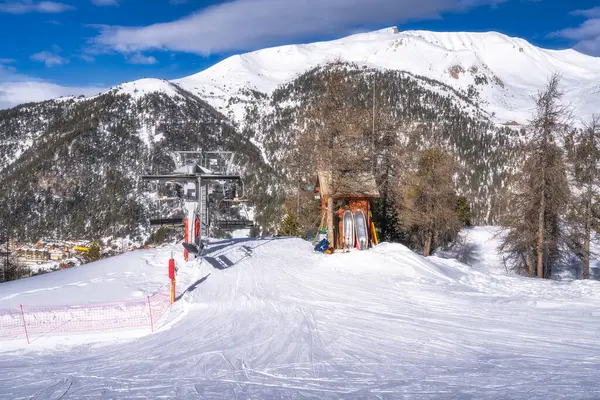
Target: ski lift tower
x=195, y=173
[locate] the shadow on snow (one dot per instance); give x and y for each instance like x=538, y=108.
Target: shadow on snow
x=192, y=287
x=233, y=248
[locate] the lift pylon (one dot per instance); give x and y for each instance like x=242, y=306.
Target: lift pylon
x=196, y=173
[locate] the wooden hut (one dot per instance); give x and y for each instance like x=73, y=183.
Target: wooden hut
x=342, y=191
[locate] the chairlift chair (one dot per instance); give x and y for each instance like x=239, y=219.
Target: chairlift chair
x=228, y=218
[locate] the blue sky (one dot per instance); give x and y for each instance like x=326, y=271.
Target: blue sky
x=78, y=44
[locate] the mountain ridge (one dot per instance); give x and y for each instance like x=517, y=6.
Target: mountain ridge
x=505, y=70
x=253, y=104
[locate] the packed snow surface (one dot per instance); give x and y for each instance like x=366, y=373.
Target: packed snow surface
x=270, y=318
x=126, y=277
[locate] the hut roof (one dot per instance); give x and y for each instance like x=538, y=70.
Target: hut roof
x=348, y=184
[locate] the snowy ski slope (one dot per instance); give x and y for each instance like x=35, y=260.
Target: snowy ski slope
x=270, y=319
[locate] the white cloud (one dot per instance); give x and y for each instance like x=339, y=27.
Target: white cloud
x=87, y=58
x=106, y=2
x=17, y=89
x=139, y=58
x=48, y=58
x=247, y=24
x=7, y=60
x=589, y=28
x=15, y=93
x=591, y=13
x=27, y=6
x=590, y=46
x=586, y=35
x=9, y=75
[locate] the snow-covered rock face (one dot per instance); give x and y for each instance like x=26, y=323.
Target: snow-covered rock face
x=138, y=89
x=505, y=70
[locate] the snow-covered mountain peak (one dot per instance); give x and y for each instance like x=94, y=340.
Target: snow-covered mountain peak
x=459, y=41
x=505, y=70
x=144, y=86
x=488, y=42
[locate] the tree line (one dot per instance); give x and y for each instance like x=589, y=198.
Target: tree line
x=552, y=203
x=419, y=203
x=548, y=205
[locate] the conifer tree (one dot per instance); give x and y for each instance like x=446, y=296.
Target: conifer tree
x=429, y=209
x=289, y=225
x=335, y=133
x=464, y=211
x=390, y=155
x=13, y=269
x=94, y=252
x=584, y=215
x=541, y=192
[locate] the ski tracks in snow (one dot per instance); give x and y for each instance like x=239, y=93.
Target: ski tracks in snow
x=56, y=391
x=284, y=322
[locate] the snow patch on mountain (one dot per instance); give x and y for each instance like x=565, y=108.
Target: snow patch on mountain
x=506, y=71
x=140, y=88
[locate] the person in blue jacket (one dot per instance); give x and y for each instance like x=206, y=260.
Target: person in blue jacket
x=322, y=246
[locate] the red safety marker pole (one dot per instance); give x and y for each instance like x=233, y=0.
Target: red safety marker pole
x=172, y=278
x=186, y=238
x=24, y=324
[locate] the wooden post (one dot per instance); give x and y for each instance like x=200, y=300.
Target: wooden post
x=172, y=291
x=24, y=324
x=370, y=240
x=330, y=232
x=150, y=311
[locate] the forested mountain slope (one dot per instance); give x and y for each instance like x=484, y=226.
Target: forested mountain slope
x=70, y=167
x=77, y=173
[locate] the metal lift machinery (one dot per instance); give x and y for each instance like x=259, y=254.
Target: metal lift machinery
x=200, y=175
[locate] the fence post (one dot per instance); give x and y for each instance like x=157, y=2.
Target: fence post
x=173, y=298
x=150, y=310
x=24, y=324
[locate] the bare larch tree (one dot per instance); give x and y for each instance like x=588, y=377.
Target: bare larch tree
x=584, y=157
x=336, y=133
x=429, y=209
x=541, y=189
